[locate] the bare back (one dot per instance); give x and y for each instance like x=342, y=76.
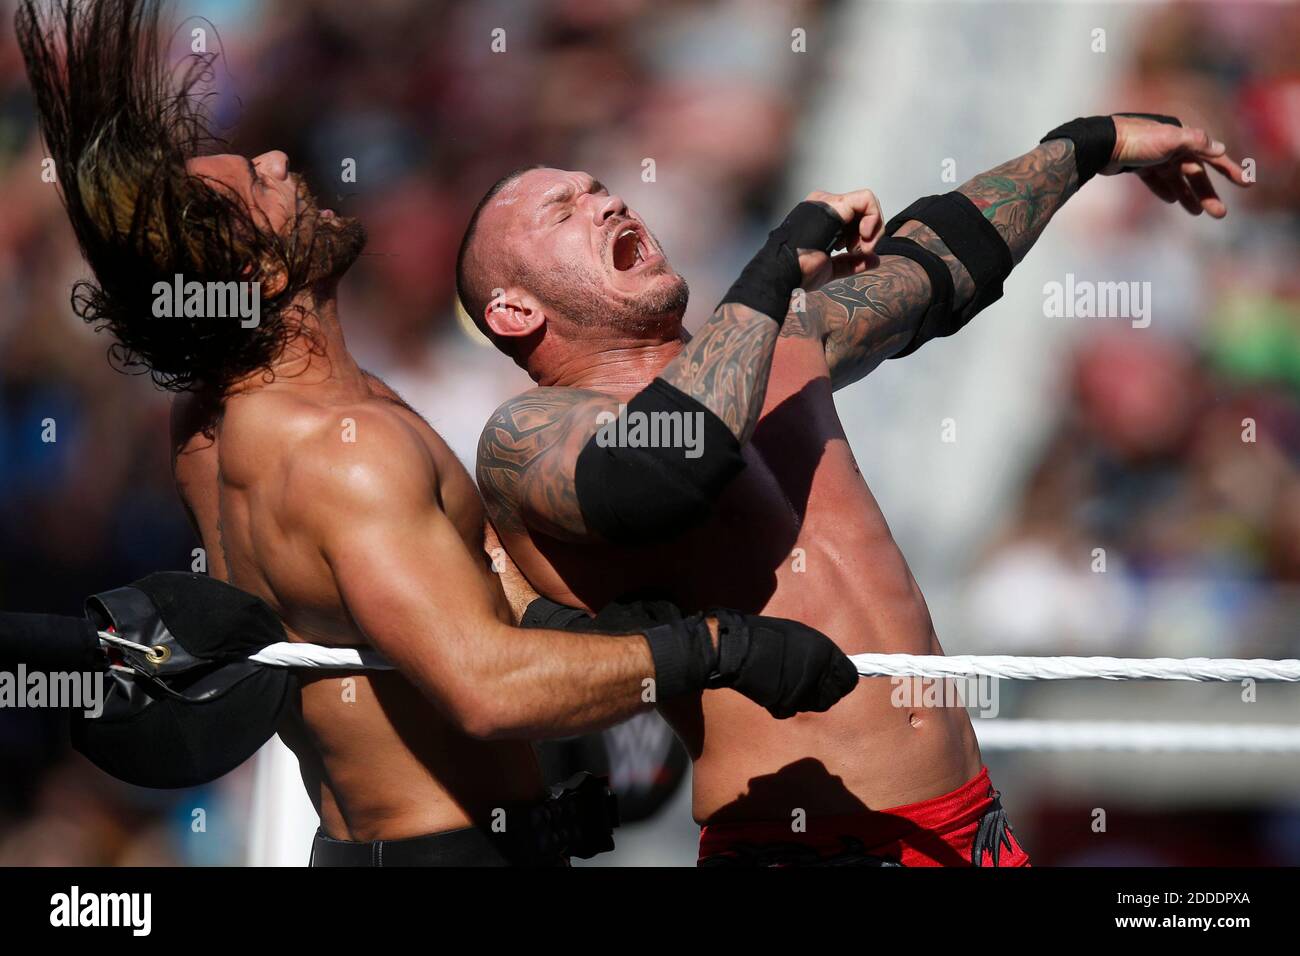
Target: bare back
x=378, y=758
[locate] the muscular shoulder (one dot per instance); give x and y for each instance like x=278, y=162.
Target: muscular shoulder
x=530, y=441
x=353, y=459
x=317, y=463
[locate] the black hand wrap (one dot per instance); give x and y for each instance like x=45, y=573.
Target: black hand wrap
x=773, y=274
x=1094, y=140
x=684, y=656
x=783, y=665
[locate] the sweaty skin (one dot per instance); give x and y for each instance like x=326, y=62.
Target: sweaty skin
x=798, y=534
x=317, y=489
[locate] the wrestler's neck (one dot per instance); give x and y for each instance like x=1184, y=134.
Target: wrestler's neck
x=616, y=366
x=315, y=355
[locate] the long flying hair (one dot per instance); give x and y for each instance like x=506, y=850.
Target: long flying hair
x=120, y=126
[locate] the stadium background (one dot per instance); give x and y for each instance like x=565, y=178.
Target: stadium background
x=1072, y=434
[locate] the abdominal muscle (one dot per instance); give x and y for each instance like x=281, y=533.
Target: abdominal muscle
x=842, y=574
x=850, y=581
x=798, y=535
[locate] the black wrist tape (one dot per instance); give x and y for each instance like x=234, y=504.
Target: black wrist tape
x=1094, y=143
x=683, y=655
x=1094, y=140
x=766, y=283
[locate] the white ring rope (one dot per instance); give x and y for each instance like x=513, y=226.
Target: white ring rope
x=289, y=654
x=1004, y=734
x=116, y=641
x=1075, y=668
x=292, y=654
x=1137, y=736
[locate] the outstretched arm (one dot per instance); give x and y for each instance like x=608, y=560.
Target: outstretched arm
x=868, y=318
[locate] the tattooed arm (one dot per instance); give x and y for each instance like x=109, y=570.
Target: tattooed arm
x=725, y=366
x=865, y=319
x=527, y=454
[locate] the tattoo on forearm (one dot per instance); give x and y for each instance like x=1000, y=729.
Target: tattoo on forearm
x=1020, y=196
x=867, y=318
x=725, y=366
x=864, y=318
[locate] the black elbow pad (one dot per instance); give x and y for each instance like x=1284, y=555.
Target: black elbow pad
x=656, y=469
x=974, y=242
x=937, y=321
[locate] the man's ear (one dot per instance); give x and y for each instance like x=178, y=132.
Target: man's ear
x=513, y=313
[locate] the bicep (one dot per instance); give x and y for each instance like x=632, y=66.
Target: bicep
x=406, y=578
x=411, y=586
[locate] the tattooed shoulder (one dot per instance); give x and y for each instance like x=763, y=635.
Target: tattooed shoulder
x=522, y=447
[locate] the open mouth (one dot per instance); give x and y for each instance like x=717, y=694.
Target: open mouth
x=629, y=249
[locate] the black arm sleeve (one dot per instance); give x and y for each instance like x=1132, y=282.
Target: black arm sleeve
x=643, y=489
x=976, y=244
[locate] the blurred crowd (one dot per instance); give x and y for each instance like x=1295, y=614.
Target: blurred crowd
x=1162, y=516
x=688, y=111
